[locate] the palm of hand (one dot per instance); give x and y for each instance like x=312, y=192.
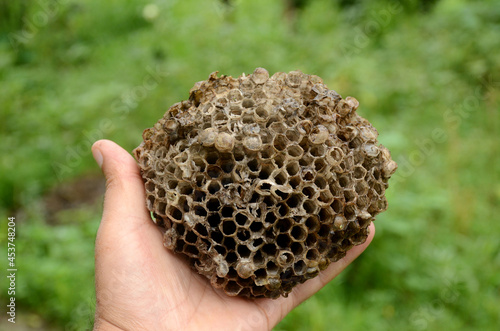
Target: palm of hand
x=142, y=286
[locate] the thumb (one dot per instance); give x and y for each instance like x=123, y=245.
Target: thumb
x=125, y=200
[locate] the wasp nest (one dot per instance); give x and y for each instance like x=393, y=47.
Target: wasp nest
x=262, y=182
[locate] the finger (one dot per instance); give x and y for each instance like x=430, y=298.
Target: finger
x=124, y=201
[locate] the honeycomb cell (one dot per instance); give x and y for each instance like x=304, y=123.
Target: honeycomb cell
x=263, y=181
x=253, y=143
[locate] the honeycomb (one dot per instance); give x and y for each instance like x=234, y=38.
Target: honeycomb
x=261, y=182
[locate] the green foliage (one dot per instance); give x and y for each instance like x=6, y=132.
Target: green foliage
x=426, y=74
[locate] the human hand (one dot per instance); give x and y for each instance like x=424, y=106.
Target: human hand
x=140, y=285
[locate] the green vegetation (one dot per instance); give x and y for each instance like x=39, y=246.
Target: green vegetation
x=426, y=73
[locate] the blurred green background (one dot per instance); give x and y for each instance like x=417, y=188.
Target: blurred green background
x=426, y=73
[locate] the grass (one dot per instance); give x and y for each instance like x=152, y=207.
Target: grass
x=427, y=77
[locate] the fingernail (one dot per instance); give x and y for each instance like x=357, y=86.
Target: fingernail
x=97, y=156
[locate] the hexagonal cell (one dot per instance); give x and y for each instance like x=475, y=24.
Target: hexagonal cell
x=326, y=214
x=324, y=230
x=320, y=164
x=279, y=160
x=299, y=268
x=307, y=175
x=309, y=206
x=260, y=276
x=299, y=233
x=361, y=188
x=150, y=186
x=262, y=113
x=266, y=171
x=184, y=188
x=283, y=240
x=200, y=211
x=281, y=178
x=172, y=184
x=190, y=237
x=350, y=211
x=213, y=204
x=214, y=220
x=293, y=135
x=174, y=213
x=201, y=230
x=256, y=227
x=234, y=95
x=238, y=154
x=379, y=189
x=199, y=196
x=219, y=120
x=294, y=151
x=284, y=258
x=267, y=152
x=272, y=268
x=294, y=201
x=232, y=288
x=214, y=171
x=212, y=157
x=280, y=142
x=312, y=254
x=292, y=168
x=228, y=228
x=335, y=155
x=227, y=211
x=230, y=245
x=258, y=258
x=243, y=235
x=311, y=240
x=243, y=251
x=254, y=165
x=255, y=244
x=213, y=187
x=248, y=103
x=320, y=182
x=283, y=210
x=160, y=192
x=227, y=165
x=297, y=248
x=200, y=180
x=350, y=195
x=317, y=150
x=325, y=198
x=312, y=223
x=359, y=172
x=362, y=201
x=241, y=219
x=309, y=191
x=284, y=224
x=247, y=118
x=270, y=218
x=337, y=206
x=295, y=182
x=226, y=180
x=345, y=182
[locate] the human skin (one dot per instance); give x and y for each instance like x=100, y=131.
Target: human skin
x=140, y=285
